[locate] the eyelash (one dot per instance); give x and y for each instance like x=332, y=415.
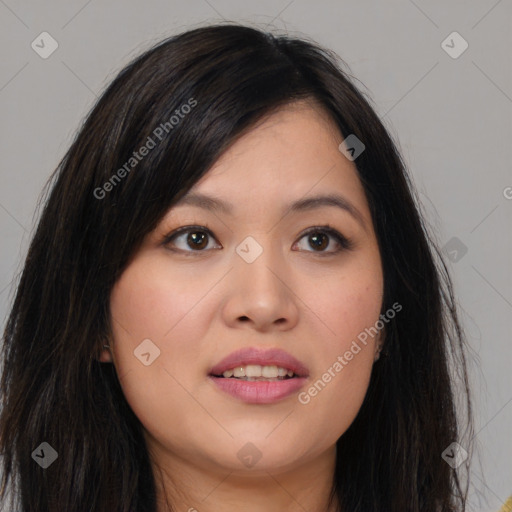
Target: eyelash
x=344, y=243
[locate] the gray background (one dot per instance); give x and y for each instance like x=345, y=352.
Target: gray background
x=451, y=116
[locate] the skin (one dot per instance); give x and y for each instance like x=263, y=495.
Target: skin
x=199, y=308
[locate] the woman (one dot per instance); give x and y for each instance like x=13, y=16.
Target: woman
x=231, y=300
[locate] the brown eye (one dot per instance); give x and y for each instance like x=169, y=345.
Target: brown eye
x=322, y=237
x=197, y=240
x=190, y=239
x=319, y=241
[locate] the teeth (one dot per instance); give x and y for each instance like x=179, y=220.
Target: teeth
x=269, y=372
x=239, y=372
x=255, y=370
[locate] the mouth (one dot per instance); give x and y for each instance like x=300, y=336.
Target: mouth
x=256, y=363
x=257, y=373
x=259, y=376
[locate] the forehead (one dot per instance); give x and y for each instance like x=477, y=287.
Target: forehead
x=287, y=154
x=303, y=126
x=290, y=161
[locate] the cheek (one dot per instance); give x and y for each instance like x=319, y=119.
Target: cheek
x=356, y=308
x=142, y=305
x=152, y=302
x=155, y=311
x=348, y=308
x=345, y=303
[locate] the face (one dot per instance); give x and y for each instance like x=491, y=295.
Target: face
x=255, y=274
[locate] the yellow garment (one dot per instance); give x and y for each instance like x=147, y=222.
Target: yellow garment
x=507, y=506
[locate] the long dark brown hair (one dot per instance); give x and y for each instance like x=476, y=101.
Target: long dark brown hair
x=53, y=388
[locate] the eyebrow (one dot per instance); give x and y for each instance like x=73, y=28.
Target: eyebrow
x=306, y=204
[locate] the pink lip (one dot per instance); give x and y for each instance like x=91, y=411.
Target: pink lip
x=263, y=357
x=260, y=392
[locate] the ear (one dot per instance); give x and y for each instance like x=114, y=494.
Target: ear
x=105, y=355
x=379, y=344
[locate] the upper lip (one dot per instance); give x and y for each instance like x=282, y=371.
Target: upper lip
x=263, y=357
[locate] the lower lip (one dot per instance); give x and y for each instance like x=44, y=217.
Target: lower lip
x=259, y=392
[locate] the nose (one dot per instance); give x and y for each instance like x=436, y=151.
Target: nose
x=260, y=293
